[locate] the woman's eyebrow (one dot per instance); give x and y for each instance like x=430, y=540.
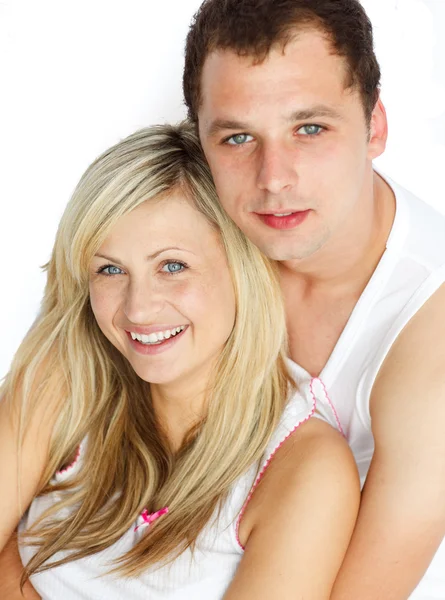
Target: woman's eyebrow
x=158, y=252
x=109, y=258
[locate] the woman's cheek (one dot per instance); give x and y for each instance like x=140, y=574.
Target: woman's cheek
x=104, y=303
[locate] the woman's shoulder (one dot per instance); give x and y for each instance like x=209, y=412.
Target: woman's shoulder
x=302, y=513
x=314, y=461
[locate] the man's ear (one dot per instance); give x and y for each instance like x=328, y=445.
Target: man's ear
x=378, y=131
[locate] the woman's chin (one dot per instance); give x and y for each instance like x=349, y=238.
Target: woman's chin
x=157, y=376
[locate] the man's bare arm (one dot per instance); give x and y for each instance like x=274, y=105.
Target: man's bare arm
x=402, y=515
x=10, y=573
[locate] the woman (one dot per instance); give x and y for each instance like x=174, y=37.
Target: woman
x=143, y=408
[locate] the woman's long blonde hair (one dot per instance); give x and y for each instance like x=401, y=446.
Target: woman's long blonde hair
x=127, y=465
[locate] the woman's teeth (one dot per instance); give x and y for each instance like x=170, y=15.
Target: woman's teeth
x=159, y=336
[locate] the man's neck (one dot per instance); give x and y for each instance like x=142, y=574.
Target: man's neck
x=320, y=293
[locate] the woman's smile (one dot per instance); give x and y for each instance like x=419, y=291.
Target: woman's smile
x=156, y=342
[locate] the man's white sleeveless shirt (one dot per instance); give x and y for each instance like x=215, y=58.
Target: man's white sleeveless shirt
x=410, y=271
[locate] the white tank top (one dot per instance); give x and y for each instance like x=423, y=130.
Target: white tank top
x=411, y=269
x=218, y=551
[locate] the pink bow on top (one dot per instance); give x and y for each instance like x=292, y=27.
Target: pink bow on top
x=148, y=519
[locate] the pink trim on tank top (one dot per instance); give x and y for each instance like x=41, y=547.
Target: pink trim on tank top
x=331, y=405
x=148, y=519
x=267, y=463
x=72, y=464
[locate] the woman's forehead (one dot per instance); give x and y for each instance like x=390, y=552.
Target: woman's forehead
x=168, y=221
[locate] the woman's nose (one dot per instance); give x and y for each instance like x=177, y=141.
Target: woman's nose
x=143, y=302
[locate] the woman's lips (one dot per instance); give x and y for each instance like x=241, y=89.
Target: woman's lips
x=156, y=348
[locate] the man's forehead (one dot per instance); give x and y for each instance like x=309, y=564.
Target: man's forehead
x=305, y=78
x=309, y=55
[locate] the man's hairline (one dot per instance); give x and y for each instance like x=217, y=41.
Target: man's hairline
x=349, y=83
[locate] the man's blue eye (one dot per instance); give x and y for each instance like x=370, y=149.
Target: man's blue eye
x=239, y=139
x=173, y=267
x=111, y=270
x=310, y=130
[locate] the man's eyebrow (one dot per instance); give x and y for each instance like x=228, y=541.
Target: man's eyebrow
x=313, y=113
x=223, y=124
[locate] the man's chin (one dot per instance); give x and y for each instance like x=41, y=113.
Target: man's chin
x=291, y=249
x=283, y=253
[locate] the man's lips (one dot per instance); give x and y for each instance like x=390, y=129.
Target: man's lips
x=289, y=221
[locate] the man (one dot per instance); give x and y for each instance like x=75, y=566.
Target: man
x=285, y=96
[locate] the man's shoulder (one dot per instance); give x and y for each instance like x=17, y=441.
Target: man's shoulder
x=424, y=239
x=413, y=369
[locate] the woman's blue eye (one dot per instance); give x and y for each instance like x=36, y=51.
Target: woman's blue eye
x=239, y=139
x=310, y=130
x=173, y=267
x=111, y=270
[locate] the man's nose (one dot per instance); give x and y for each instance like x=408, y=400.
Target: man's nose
x=277, y=168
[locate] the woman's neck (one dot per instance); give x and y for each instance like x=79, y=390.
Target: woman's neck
x=178, y=409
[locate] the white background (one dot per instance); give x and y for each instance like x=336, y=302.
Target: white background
x=78, y=75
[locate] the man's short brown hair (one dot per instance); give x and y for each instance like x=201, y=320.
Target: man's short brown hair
x=253, y=27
